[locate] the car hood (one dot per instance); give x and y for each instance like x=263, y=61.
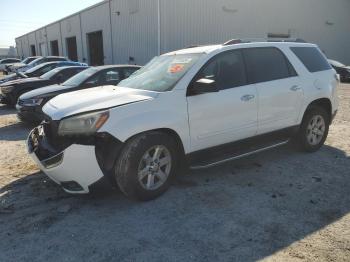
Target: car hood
x=8, y=78
x=24, y=81
x=16, y=65
x=94, y=99
x=45, y=91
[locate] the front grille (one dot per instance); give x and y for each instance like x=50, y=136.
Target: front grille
x=51, y=131
x=20, y=102
x=46, y=143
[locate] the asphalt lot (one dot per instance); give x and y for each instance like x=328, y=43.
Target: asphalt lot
x=281, y=205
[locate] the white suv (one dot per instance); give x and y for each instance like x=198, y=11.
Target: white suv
x=199, y=106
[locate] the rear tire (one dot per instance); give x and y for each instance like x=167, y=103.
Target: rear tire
x=147, y=165
x=314, y=129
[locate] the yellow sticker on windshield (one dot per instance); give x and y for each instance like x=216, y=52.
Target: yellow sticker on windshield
x=176, y=68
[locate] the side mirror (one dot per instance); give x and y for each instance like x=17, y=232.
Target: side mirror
x=203, y=86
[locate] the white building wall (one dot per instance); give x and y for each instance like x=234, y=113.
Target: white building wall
x=19, y=47
x=324, y=22
x=41, y=42
x=70, y=27
x=53, y=32
x=32, y=41
x=97, y=19
x=134, y=29
x=25, y=46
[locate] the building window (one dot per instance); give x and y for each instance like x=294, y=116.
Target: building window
x=72, y=50
x=32, y=50
x=54, y=48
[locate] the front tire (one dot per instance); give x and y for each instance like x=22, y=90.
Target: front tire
x=314, y=129
x=147, y=165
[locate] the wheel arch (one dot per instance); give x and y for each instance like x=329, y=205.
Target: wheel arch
x=324, y=103
x=169, y=132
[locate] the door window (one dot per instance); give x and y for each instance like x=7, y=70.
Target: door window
x=226, y=69
x=68, y=73
x=112, y=77
x=108, y=77
x=267, y=64
x=129, y=71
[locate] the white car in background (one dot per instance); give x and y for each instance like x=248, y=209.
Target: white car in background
x=198, y=107
x=6, y=62
x=13, y=67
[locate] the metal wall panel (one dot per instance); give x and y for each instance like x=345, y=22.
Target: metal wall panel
x=32, y=41
x=134, y=30
x=326, y=23
x=97, y=19
x=53, y=32
x=191, y=22
x=41, y=42
x=70, y=27
x=20, y=47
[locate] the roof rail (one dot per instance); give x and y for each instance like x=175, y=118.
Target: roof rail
x=193, y=46
x=254, y=40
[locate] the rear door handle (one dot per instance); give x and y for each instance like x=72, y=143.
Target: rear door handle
x=295, y=88
x=247, y=98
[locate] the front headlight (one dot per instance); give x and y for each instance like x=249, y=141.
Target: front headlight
x=7, y=89
x=83, y=124
x=32, y=102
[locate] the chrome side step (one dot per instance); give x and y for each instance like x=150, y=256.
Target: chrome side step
x=238, y=156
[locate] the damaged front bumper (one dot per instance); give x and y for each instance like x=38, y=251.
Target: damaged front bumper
x=73, y=166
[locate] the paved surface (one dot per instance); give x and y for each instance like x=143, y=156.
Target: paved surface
x=280, y=205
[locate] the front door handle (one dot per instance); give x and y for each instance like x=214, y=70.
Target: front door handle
x=295, y=88
x=247, y=98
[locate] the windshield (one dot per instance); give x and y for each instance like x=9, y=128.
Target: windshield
x=81, y=77
x=336, y=63
x=31, y=70
x=161, y=73
x=50, y=74
x=35, y=62
x=25, y=61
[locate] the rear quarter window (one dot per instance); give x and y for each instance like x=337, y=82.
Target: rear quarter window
x=312, y=58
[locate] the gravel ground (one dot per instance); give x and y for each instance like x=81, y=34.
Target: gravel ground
x=281, y=205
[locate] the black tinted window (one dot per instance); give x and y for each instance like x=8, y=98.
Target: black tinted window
x=312, y=58
x=267, y=64
x=106, y=77
x=129, y=71
x=227, y=69
x=69, y=72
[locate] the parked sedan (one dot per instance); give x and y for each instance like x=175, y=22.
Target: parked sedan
x=14, y=89
x=11, y=67
x=39, y=61
x=39, y=70
x=7, y=61
x=29, y=105
x=342, y=70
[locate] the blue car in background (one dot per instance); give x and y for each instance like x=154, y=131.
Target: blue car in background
x=39, y=70
x=38, y=61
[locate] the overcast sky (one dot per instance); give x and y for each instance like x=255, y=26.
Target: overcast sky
x=18, y=17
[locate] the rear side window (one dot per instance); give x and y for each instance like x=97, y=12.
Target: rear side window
x=312, y=58
x=267, y=64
